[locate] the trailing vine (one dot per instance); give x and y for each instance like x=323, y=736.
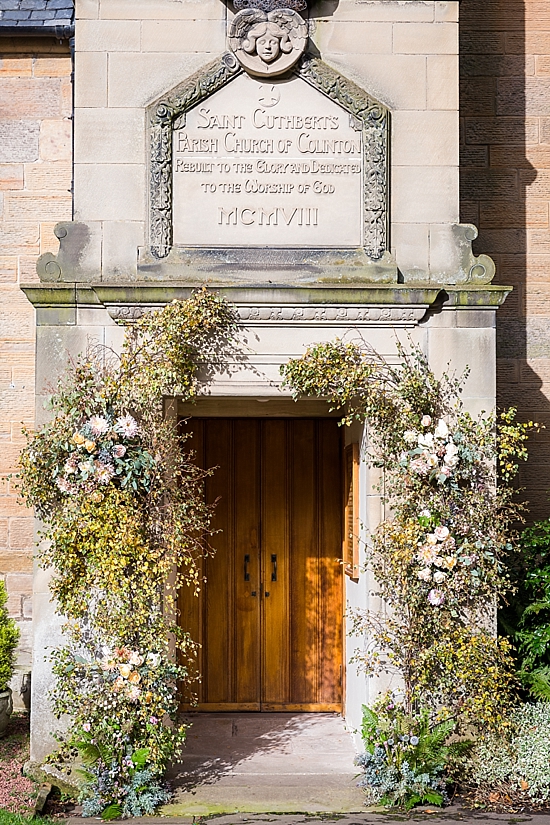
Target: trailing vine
x=438, y=557
x=125, y=526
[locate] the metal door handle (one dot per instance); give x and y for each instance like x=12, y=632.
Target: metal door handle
x=246, y=563
x=274, y=563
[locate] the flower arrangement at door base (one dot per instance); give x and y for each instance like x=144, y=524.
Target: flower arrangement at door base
x=439, y=555
x=125, y=528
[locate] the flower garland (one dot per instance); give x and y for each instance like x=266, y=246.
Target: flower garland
x=123, y=509
x=439, y=557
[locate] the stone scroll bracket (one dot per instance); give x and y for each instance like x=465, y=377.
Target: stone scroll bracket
x=367, y=114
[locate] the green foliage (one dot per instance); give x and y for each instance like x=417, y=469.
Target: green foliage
x=405, y=756
x=520, y=759
x=439, y=558
x=9, y=637
x=526, y=616
x=126, y=526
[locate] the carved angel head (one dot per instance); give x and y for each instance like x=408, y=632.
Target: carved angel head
x=267, y=44
x=267, y=40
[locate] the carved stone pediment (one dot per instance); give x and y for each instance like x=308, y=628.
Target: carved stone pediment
x=330, y=177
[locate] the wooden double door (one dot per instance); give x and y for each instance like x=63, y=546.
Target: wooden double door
x=270, y=613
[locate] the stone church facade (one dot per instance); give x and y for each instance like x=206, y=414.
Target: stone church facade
x=425, y=117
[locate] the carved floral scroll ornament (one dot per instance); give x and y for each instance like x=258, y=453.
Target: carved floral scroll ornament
x=270, y=5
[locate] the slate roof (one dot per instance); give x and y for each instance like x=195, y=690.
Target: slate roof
x=36, y=13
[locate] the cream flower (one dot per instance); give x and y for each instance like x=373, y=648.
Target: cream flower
x=450, y=562
x=425, y=574
x=127, y=426
x=118, y=684
x=134, y=678
x=89, y=445
x=439, y=577
x=426, y=420
x=451, y=455
x=133, y=693
x=98, y=425
x=135, y=659
x=426, y=440
x=125, y=670
x=426, y=554
x=410, y=437
x=431, y=538
x=441, y=532
x=441, y=431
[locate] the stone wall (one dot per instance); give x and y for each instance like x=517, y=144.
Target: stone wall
x=35, y=193
x=505, y=191
x=404, y=54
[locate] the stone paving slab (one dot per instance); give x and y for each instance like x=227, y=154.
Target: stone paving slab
x=265, y=762
x=445, y=815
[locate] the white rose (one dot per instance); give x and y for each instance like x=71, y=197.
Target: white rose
x=439, y=577
x=441, y=431
x=425, y=574
x=426, y=420
x=441, y=533
x=426, y=440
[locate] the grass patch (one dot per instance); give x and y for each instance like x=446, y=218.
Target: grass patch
x=7, y=818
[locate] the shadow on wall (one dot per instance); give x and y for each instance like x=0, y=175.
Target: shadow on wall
x=505, y=190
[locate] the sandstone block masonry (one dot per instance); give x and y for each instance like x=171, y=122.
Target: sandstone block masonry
x=505, y=191
x=35, y=193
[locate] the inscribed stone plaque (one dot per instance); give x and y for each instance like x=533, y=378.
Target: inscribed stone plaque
x=272, y=163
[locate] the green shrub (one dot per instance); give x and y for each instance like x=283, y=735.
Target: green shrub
x=521, y=760
x=9, y=636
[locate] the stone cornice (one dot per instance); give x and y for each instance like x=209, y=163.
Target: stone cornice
x=379, y=305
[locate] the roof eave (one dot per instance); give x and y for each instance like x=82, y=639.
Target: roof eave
x=59, y=32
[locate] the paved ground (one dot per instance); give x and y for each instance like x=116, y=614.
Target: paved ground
x=283, y=769
x=445, y=817
x=266, y=762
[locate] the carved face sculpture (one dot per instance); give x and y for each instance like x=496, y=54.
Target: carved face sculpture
x=267, y=40
x=268, y=47
x=267, y=44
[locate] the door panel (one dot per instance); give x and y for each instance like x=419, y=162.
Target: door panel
x=275, y=540
x=269, y=617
